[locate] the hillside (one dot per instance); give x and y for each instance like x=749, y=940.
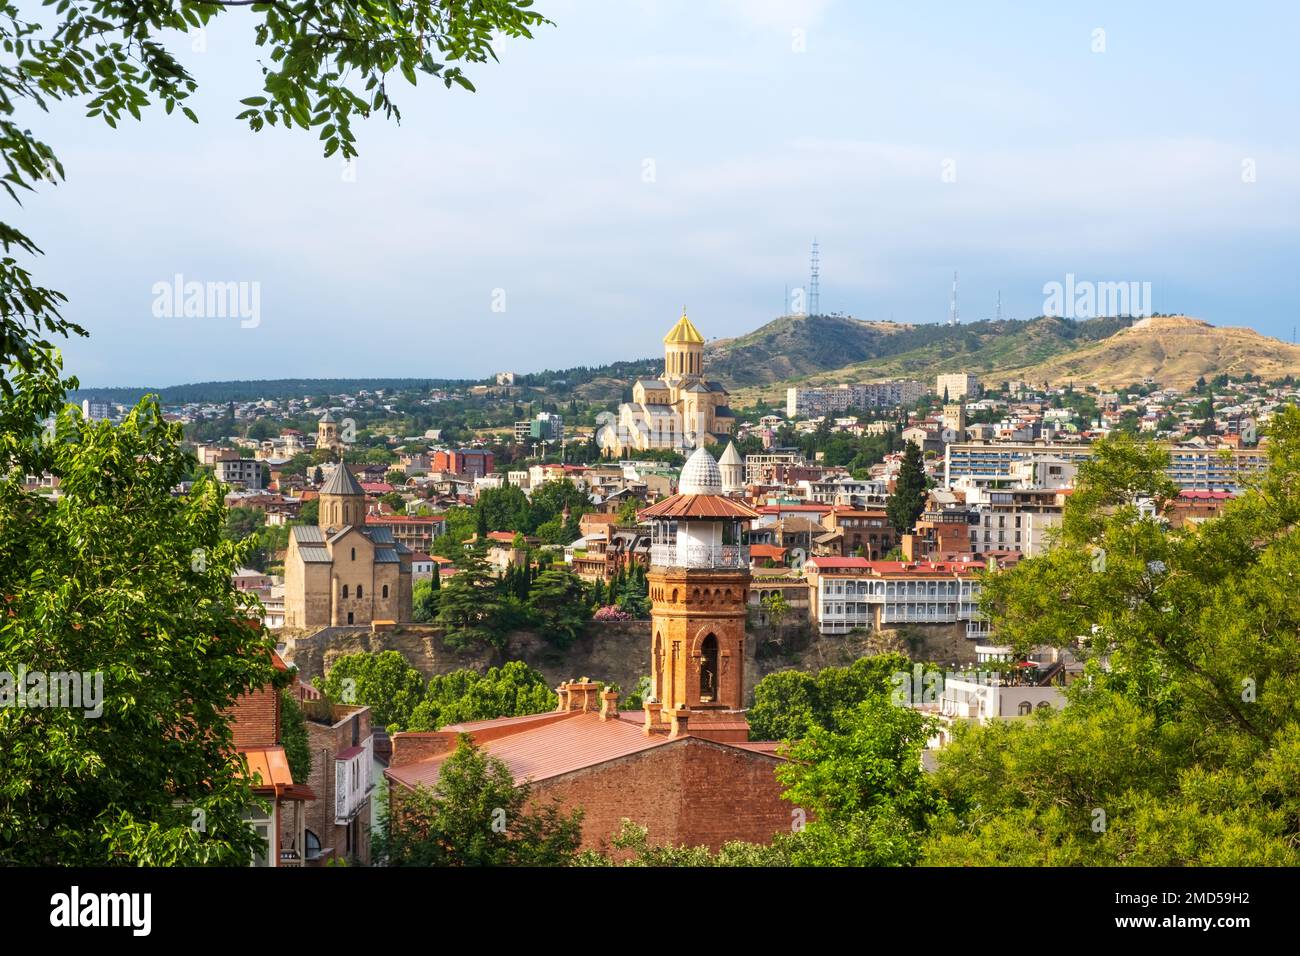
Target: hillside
x=1173, y=350
x=831, y=349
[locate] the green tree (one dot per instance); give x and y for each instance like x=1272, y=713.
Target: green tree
x=109, y=579
x=469, y=606
x=424, y=602
x=309, y=513
x=293, y=735
x=384, y=682
x=476, y=815
x=511, y=690
x=558, y=600
x=788, y=704
x=1183, y=729
x=505, y=509
x=243, y=523
x=907, y=502
x=862, y=787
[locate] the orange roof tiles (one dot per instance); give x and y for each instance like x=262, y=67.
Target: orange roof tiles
x=580, y=740
x=698, y=506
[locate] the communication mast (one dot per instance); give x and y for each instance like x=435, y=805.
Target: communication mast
x=814, y=292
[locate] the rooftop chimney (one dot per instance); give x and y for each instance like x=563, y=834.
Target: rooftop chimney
x=680, y=717
x=653, y=724
x=578, y=695
x=609, y=705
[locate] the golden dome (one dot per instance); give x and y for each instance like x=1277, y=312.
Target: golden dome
x=684, y=333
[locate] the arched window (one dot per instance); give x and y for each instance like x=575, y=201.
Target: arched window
x=709, y=670
x=349, y=617
x=312, y=845
x=354, y=554
x=385, y=590
x=358, y=590
x=345, y=592
x=1024, y=709
x=658, y=665
x=1044, y=705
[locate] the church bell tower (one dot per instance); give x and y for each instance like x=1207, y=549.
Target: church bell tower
x=699, y=586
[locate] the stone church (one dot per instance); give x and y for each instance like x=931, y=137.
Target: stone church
x=341, y=571
x=680, y=410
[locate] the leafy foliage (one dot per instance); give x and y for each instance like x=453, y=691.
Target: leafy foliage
x=476, y=816
x=120, y=578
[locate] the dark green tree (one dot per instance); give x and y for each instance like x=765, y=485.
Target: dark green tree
x=907, y=502
x=469, y=605
x=558, y=600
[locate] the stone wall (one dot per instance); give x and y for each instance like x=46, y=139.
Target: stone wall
x=616, y=652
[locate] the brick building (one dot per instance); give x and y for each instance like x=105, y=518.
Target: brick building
x=255, y=727
x=337, y=824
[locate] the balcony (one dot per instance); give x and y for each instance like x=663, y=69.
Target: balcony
x=726, y=556
x=353, y=780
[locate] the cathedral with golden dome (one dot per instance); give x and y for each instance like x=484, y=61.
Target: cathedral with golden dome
x=678, y=411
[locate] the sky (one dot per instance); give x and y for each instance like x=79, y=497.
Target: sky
x=644, y=155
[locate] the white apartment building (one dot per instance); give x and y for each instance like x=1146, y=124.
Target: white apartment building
x=815, y=402
x=240, y=472
x=853, y=593
x=957, y=386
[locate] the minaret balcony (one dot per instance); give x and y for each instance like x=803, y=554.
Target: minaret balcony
x=700, y=556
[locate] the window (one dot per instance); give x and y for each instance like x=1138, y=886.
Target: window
x=385, y=590
x=709, y=670
x=358, y=590
x=354, y=554
x=312, y=847
x=1024, y=709
x=345, y=592
x=349, y=617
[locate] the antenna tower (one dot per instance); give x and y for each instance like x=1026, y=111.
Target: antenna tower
x=814, y=292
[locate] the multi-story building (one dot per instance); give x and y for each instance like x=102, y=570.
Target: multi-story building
x=957, y=386
x=761, y=469
x=240, y=472
x=859, y=532
x=815, y=402
x=1013, y=519
x=464, y=462
x=416, y=532
x=846, y=594
x=336, y=824
x=1205, y=468
x=544, y=427
x=95, y=411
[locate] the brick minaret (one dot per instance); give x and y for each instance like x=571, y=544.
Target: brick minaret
x=699, y=585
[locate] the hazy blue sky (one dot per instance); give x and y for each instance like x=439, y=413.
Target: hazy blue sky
x=1119, y=165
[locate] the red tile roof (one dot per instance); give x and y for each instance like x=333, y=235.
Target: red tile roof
x=580, y=739
x=698, y=506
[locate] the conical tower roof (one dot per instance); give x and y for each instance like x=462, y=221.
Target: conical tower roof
x=342, y=482
x=731, y=456
x=683, y=333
